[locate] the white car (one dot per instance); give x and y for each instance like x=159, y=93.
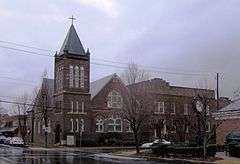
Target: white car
x=148, y=145
x=7, y=140
x=16, y=141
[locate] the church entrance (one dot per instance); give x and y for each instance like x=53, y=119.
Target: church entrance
x=57, y=133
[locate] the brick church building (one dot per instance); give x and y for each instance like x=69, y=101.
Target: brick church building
x=78, y=109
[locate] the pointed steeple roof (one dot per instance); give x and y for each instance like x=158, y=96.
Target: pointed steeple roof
x=72, y=43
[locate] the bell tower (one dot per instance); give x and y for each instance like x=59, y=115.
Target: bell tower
x=71, y=91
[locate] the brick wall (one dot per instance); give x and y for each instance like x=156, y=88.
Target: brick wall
x=226, y=127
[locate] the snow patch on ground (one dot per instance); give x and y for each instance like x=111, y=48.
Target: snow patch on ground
x=116, y=157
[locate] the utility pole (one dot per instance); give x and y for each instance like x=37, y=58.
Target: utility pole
x=217, y=91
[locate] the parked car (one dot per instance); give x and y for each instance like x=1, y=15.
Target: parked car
x=233, y=136
x=16, y=141
x=2, y=139
x=162, y=141
x=7, y=140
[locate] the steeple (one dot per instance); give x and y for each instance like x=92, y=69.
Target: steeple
x=72, y=43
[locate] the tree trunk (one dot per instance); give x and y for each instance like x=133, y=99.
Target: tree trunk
x=136, y=142
x=24, y=129
x=205, y=146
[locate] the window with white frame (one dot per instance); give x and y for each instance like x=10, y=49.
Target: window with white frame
x=160, y=108
x=155, y=133
x=129, y=128
x=77, y=123
x=99, y=125
x=186, y=128
x=72, y=125
x=82, y=125
x=115, y=125
x=185, y=109
x=81, y=77
x=114, y=100
x=49, y=126
x=39, y=127
x=72, y=106
x=71, y=76
x=82, y=107
x=76, y=77
x=173, y=108
x=77, y=107
x=164, y=129
x=61, y=78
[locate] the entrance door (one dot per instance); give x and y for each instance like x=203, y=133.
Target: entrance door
x=57, y=133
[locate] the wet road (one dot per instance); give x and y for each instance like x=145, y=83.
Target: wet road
x=15, y=155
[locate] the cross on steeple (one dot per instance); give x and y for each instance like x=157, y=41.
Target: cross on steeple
x=72, y=18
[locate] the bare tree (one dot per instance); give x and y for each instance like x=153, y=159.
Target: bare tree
x=137, y=106
x=2, y=112
x=43, y=99
x=206, y=129
x=134, y=74
x=22, y=107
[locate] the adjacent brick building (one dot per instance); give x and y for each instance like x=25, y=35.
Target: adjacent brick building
x=228, y=119
x=79, y=110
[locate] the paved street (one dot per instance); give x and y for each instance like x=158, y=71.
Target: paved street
x=16, y=155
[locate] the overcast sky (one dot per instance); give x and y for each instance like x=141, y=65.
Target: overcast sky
x=177, y=36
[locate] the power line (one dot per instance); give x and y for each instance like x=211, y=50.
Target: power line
x=103, y=64
x=10, y=78
x=25, y=51
x=48, y=50
x=26, y=46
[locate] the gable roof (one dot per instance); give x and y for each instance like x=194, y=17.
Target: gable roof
x=98, y=85
x=231, y=111
x=234, y=106
x=72, y=43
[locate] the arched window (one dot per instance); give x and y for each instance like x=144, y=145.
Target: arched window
x=76, y=77
x=99, y=125
x=82, y=126
x=115, y=125
x=114, y=100
x=71, y=76
x=128, y=128
x=59, y=78
x=81, y=77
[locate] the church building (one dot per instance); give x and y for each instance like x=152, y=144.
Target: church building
x=79, y=110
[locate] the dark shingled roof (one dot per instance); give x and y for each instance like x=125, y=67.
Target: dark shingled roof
x=72, y=43
x=98, y=85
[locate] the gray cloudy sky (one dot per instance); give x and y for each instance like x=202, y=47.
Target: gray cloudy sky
x=187, y=36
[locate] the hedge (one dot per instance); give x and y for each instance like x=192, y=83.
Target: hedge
x=165, y=150
x=234, y=149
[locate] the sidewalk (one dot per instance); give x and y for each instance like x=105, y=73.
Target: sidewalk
x=227, y=159
x=83, y=149
x=132, y=153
